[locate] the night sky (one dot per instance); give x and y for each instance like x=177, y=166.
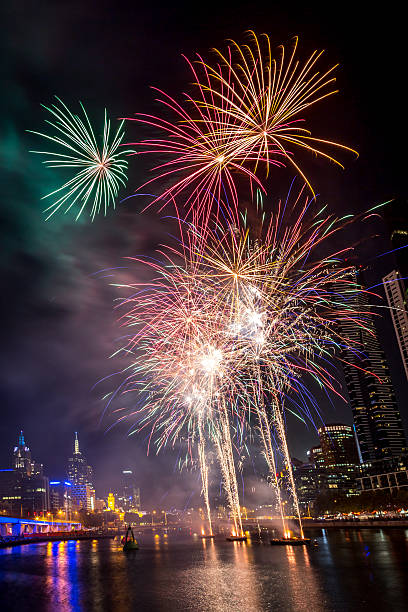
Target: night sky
x=58, y=323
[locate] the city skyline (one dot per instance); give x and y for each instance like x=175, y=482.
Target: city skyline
x=61, y=330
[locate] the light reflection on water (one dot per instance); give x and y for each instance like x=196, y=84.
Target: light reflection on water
x=351, y=569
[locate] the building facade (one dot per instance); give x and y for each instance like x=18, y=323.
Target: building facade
x=24, y=490
x=129, y=496
x=61, y=498
x=80, y=475
x=340, y=458
x=377, y=419
x=395, y=293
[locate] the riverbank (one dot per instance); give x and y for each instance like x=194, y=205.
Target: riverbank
x=357, y=524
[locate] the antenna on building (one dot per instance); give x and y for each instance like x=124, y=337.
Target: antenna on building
x=21, y=441
x=76, y=443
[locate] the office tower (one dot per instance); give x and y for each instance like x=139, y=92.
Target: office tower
x=22, y=457
x=340, y=456
x=35, y=494
x=10, y=491
x=396, y=297
x=80, y=475
x=61, y=498
x=315, y=456
x=23, y=488
x=376, y=416
x=338, y=445
x=130, y=493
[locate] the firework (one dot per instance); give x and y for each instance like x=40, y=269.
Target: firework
x=229, y=327
x=98, y=171
x=245, y=111
x=203, y=160
x=260, y=101
x=183, y=369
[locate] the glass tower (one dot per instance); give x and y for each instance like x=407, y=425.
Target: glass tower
x=377, y=419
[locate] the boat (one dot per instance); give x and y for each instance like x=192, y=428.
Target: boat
x=129, y=541
x=290, y=541
x=233, y=538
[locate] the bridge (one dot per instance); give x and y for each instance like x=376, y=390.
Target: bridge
x=11, y=525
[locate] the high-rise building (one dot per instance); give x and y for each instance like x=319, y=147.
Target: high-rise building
x=10, y=491
x=35, y=494
x=23, y=488
x=80, y=475
x=22, y=457
x=61, y=498
x=376, y=416
x=339, y=452
x=129, y=496
x=315, y=456
x=396, y=297
x=83, y=496
x=338, y=444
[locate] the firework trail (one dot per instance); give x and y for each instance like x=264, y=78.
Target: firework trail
x=204, y=475
x=98, y=172
x=184, y=366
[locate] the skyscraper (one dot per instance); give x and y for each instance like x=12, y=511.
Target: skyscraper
x=80, y=475
x=22, y=457
x=130, y=493
x=338, y=445
x=376, y=416
x=339, y=452
x=23, y=488
x=396, y=297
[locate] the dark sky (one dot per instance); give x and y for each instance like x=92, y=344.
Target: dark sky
x=58, y=323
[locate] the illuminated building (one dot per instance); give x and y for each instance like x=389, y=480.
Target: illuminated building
x=376, y=416
x=389, y=475
x=100, y=505
x=80, y=475
x=23, y=488
x=129, y=496
x=10, y=491
x=22, y=457
x=340, y=456
x=83, y=496
x=396, y=297
x=338, y=445
x=61, y=497
x=111, y=501
x=315, y=456
x=35, y=495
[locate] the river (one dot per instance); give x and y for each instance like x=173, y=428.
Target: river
x=351, y=569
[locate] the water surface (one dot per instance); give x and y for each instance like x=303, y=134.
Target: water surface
x=350, y=570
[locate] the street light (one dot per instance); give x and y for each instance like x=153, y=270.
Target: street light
x=154, y=512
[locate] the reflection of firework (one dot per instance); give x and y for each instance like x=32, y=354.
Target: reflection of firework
x=98, y=171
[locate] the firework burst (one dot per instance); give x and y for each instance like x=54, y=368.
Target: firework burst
x=261, y=99
x=98, y=171
x=229, y=327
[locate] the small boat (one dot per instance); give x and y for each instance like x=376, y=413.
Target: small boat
x=290, y=541
x=233, y=538
x=129, y=541
x=206, y=537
